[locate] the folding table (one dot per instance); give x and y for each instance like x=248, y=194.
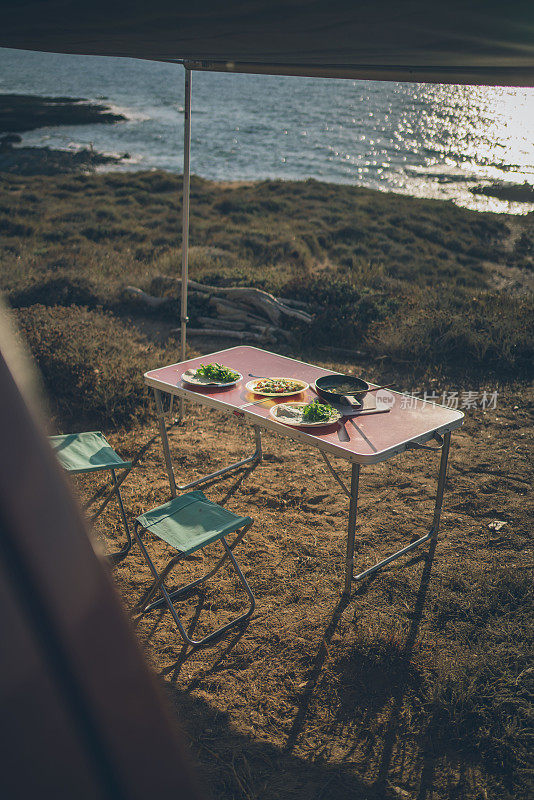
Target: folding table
x=411, y=423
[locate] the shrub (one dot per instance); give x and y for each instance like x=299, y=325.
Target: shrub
x=92, y=365
x=60, y=291
x=459, y=333
x=345, y=311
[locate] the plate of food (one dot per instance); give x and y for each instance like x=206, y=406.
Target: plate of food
x=277, y=387
x=212, y=375
x=309, y=415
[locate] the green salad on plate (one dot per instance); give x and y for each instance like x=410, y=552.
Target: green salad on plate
x=318, y=412
x=217, y=373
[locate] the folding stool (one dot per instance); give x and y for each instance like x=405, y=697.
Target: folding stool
x=90, y=452
x=189, y=523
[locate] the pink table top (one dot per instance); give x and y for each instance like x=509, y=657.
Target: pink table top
x=364, y=440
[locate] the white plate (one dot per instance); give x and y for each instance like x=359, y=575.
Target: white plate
x=252, y=384
x=275, y=411
x=190, y=376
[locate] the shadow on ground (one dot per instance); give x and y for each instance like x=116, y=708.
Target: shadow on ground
x=235, y=765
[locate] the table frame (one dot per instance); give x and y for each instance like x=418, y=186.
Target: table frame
x=441, y=434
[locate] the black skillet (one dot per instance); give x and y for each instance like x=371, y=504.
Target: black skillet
x=344, y=389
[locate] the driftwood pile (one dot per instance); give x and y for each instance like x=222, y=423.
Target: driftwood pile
x=242, y=313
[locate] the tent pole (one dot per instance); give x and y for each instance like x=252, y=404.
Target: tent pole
x=185, y=221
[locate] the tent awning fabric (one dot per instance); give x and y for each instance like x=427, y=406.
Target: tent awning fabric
x=479, y=41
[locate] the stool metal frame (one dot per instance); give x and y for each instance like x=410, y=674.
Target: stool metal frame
x=168, y=596
x=115, y=490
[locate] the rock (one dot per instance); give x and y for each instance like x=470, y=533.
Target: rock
x=7, y=141
x=514, y=192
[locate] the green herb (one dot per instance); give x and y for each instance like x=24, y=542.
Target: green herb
x=218, y=373
x=318, y=412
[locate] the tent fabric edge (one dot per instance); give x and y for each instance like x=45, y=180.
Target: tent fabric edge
x=483, y=76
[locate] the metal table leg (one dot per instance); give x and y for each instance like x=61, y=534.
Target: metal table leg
x=353, y=510
x=165, y=441
x=255, y=457
x=433, y=532
x=441, y=483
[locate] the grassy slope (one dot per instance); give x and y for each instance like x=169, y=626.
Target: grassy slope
x=400, y=278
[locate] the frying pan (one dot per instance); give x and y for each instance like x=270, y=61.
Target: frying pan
x=327, y=388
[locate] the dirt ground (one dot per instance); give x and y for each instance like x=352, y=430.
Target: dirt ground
x=396, y=693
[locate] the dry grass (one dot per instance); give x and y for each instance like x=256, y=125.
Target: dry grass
x=386, y=273
x=419, y=687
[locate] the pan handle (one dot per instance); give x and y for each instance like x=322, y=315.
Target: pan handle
x=348, y=400
x=416, y=446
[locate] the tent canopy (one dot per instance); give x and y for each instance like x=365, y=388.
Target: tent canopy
x=480, y=41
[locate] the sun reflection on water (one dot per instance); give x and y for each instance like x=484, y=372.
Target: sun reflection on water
x=493, y=125
x=465, y=135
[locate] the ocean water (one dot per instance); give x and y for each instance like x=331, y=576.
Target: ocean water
x=419, y=139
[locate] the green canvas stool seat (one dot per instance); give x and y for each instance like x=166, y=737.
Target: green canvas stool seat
x=90, y=452
x=189, y=523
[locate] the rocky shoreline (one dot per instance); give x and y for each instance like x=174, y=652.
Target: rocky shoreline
x=23, y=113
x=20, y=113
x=45, y=161
x=513, y=192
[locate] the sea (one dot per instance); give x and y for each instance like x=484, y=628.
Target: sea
x=424, y=140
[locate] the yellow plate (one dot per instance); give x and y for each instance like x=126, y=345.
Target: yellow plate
x=252, y=384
